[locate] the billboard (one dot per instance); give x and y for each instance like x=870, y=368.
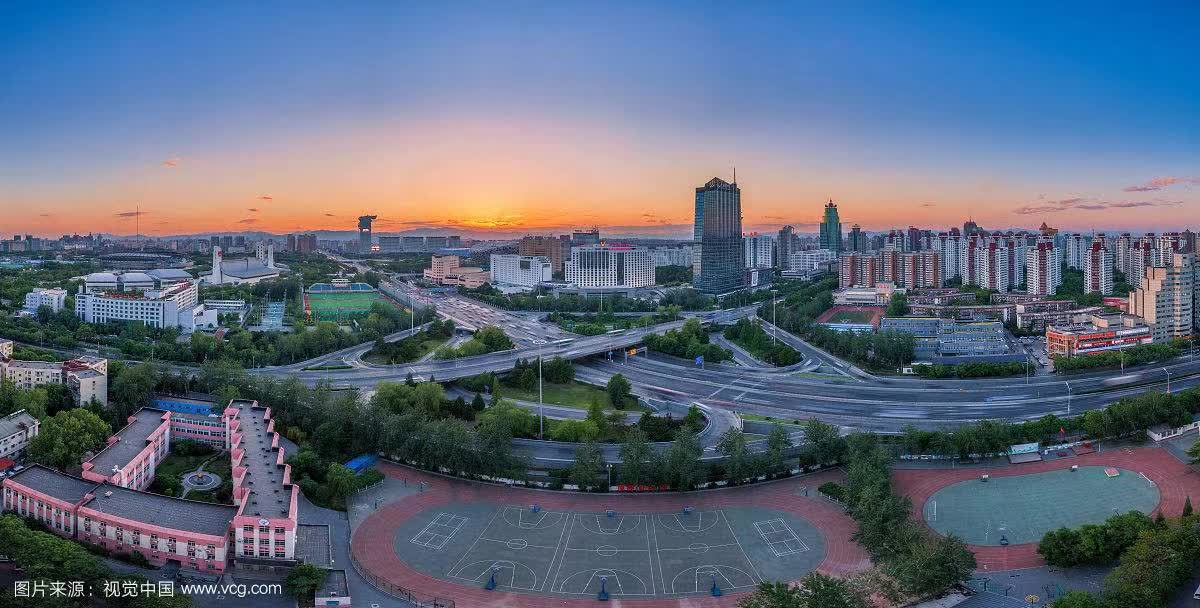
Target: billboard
x=1023, y=448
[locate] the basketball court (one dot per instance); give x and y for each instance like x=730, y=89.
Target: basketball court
x=1020, y=509
x=527, y=549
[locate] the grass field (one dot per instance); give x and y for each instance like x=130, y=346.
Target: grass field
x=851, y=316
x=575, y=395
x=341, y=306
x=426, y=347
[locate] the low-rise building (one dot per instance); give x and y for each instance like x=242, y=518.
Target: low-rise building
x=16, y=431
x=448, y=270
x=521, y=271
x=85, y=376
x=879, y=295
x=54, y=299
x=610, y=266
x=1088, y=334
x=106, y=508
x=950, y=342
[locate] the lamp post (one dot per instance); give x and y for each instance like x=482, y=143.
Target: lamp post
x=773, y=292
x=541, y=419
x=1068, y=397
x=1168, y=372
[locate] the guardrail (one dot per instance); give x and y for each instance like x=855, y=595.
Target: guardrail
x=400, y=592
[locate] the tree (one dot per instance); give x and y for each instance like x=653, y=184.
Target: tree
x=824, y=442
x=585, y=471
x=732, y=445
x=815, y=590
x=304, y=581
x=898, y=306
x=635, y=458
x=932, y=564
x=618, y=391
x=63, y=439
x=778, y=443
x=1187, y=505
x=132, y=390
x=1078, y=599
x=1060, y=548
x=340, y=482
x=682, y=467
x=477, y=403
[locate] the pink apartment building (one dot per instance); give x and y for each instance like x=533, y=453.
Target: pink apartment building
x=108, y=507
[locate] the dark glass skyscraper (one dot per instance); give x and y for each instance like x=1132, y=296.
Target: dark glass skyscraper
x=831, y=229
x=718, y=260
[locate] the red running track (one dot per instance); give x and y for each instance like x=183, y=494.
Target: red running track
x=1175, y=481
x=374, y=540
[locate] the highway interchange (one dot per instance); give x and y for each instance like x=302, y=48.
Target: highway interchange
x=821, y=386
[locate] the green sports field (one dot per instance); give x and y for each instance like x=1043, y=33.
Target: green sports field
x=852, y=316
x=341, y=306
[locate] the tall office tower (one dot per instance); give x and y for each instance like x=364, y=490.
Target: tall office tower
x=1164, y=298
x=364, y=232
x=718, y=263
x=1097, y=270
x=922, y=269
x=1188, y=241
x=991, y=266
x=227, y=241
x=786, y=243
x=831, y=228
x=1141, y=257
x=544, y=246
x=1075, y=244
x=1043, y=273
x=214, y=241
x=1166, y=246
x=857, y=240
x=970, y=228
x=913, y=238
x=948, y=245
x=759, y=250
x=1121, y=252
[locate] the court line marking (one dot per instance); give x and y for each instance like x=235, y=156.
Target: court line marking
x=720, y=516
x=437, y=540
x=527, y=545
x=614, y=577
x=650, y=556
x=778, y=525
x=472, y=547
x=709, y=547
x=562, y=541
x=498, y=563
x=657, y=554
x=558, y=572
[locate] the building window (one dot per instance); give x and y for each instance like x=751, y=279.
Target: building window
x=248, y=529
x=279, y=531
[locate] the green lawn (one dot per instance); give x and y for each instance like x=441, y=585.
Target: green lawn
x=851, y=316
x=222, y=467
x=573, y=395
x=177, y=465
x=768, y=419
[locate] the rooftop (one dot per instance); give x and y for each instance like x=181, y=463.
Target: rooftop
x=132, y=439
x=267, y=496
x=16, y=422
x=52, y=483
x=34, y=364
x=165, y=511
x=247, y=269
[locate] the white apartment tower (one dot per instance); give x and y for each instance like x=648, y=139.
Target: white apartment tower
x=1097, y=270
x=1043, y=272
x=1164, y=298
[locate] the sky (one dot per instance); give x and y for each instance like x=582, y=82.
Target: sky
x=508, y=118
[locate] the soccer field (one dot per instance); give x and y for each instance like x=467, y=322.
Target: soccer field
x=852, y=316
x=341, y=306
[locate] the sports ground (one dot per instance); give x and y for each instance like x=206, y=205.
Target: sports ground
x=325, y=303
x=1020, y=503
x=456, y=538
x=855, y=315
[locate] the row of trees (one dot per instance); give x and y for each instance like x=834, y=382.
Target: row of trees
x=752, y=337
x=689, y=342
x=490, y=339
x=994, y=437
x=1137, y=355
x=1095, y=544
x=971, y=370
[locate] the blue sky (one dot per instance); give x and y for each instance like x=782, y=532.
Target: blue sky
x=531, y=116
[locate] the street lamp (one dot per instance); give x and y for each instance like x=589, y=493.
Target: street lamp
x=1068, y=397
x=541, y=420
x=1168, y=372
x=773, y=292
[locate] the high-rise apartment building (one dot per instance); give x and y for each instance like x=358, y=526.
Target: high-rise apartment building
x=1121, y=252
x=1043, y=272
x=921, y=269
x=948, y=244
x=1141, y=257
x=1164, y=298
x=718, y=264
x=1097, y=270
x=760, y=250
x=831, y=228
x=991, y=266
x=786, y=243
x=1075, y=244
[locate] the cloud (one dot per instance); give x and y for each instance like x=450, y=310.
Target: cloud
x=1160, y=183
x=266, y=198
x=129, y=214
x=330, y=215
x=249, y=220
x=45, y=215
x=1084, y=204
x=171, y=163
x=253, y=210
x=927, y=205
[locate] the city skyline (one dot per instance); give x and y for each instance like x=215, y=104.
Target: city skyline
x=534, y=120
